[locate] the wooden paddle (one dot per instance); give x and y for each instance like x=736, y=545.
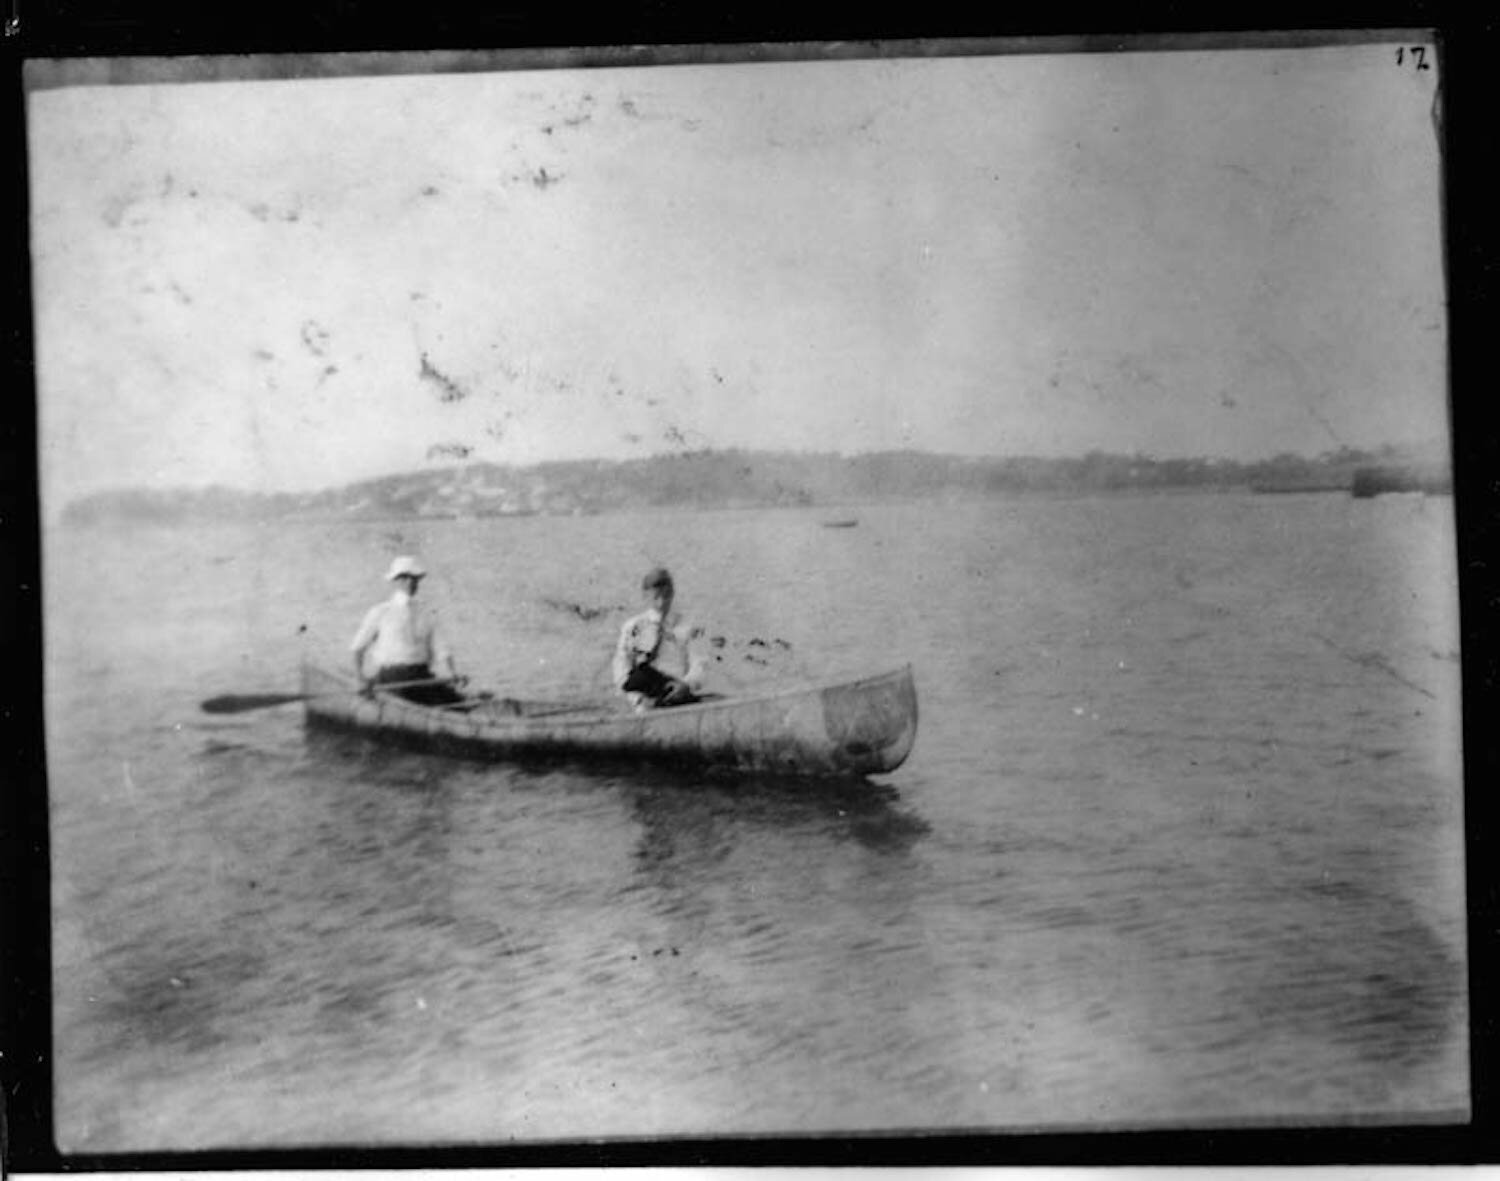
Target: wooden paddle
x=238, y=703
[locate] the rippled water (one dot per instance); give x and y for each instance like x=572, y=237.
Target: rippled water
x=1180, y=842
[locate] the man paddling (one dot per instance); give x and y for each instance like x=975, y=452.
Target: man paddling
x=655, y=661
x=404, y=643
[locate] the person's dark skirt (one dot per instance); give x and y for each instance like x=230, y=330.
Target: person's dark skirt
x=437, y=694
x=654, y=684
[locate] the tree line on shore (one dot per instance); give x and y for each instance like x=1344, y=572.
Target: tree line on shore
x=736, y=478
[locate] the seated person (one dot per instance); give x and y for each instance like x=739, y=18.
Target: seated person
x=656, y=662
x=405, y=643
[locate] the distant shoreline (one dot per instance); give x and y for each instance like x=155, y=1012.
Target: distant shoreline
x=758, y=480
x=844, y=506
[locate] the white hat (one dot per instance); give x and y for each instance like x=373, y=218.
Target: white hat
x=405, y=565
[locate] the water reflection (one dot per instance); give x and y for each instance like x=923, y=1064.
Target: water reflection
x=773, y=873
x=370, y=805
x=614, y=919
x=714, y=855
x=688, y=816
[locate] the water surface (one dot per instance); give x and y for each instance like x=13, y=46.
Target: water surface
x=1180, y=842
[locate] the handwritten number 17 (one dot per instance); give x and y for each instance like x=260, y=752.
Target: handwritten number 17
x=1417, y=53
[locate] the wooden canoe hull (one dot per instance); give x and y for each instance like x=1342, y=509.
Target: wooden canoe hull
x=863, y=727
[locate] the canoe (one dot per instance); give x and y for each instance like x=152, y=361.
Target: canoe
x=861, y=727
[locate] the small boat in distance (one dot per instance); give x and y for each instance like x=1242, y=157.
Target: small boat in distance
x=848, y=523
x=849, y=728
x=1430, y=480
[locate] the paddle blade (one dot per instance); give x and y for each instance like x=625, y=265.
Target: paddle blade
x=238, y=703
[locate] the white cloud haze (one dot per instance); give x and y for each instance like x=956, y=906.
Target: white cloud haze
x=291, y=284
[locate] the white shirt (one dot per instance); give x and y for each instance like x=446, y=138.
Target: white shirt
x=675, y=656
x=399, y=631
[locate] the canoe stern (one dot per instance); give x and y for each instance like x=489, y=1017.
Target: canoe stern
x=872, y=724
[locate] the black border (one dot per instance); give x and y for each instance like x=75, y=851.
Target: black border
x=119, y=28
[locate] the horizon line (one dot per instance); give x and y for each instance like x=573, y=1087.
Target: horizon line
x=462, y=464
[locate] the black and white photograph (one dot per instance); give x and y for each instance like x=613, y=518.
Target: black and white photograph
x=820, y=591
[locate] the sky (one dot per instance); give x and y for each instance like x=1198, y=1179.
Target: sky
x=294, y=284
